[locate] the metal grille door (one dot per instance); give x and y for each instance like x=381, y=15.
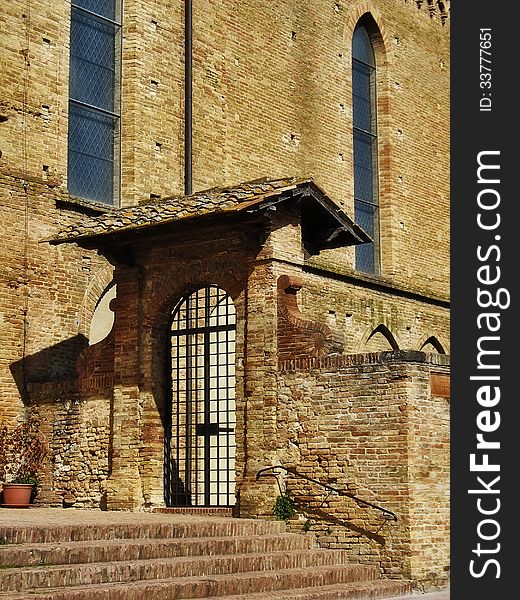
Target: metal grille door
x=200, y=436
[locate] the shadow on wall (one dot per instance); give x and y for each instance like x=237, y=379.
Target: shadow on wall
x=56, y=363
x=320, y=515
x=433, y=345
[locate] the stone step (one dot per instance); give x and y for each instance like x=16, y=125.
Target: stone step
x=83, y=555
x=354, y=591
x=25, y=555
x=196, y=510
x=22, y=578
x=192, y=528
x=259, y=583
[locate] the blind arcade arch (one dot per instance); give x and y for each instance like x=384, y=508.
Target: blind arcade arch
x=200, y=434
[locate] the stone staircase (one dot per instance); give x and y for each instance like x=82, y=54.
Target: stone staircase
x=165, y=557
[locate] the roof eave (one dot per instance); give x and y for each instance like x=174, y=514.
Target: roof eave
x=311, y=198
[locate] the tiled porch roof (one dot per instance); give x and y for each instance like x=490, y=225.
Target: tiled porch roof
x=174, y=208
x=218, y=200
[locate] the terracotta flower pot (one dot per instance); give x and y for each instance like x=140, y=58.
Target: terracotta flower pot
x=17, y=495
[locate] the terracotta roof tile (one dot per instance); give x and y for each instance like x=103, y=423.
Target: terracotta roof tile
x=175, y=208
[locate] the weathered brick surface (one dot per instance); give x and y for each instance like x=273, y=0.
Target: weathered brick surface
x=371, y=589
x=55, y=288
x=163, y=591
x=368, y=424
x=271, y=97
x=22, y=579
x=115, y=550
x=173, y=556
x=47, y=525
x=256, y=112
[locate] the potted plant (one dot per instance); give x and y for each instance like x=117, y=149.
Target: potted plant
x=22, y=451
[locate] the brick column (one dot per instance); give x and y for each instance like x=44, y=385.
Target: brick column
x=257, y=497
x=262, y=436
x=124, y=482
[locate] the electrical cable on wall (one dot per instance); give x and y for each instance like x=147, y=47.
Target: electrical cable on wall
x=25, y=280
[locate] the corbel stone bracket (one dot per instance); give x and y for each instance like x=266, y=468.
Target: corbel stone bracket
x=325, y=340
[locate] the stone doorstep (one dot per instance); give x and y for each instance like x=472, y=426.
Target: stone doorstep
x=19, y=579
x=195, y=510
x=436, y=595
x=60, y=553
x=337, y=579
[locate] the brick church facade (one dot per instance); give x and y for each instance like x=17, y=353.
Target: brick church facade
x=225, y=247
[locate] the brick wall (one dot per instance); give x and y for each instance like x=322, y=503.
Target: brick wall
x=357, y=309
x=368, y=424
x=47, y=295
x=272, y=87
x=271, y=97
x=147, y=294
x=429, y=473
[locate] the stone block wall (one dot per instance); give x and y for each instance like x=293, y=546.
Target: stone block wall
x=369, y=425
x=76, y=425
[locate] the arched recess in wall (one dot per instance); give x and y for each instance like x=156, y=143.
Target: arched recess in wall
x=433, y=346
x=96, y=288
x=169, y=287
x=380, y=340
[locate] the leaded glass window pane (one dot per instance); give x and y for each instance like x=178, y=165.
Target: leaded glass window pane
x=364, y=146
x=92, y=64
x=366, y=198
x=94, y=105
x=362, y=49
x=104, y=8
x=361, y=93
x=91, y=153
x=366, y=216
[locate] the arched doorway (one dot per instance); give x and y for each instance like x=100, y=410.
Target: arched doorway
x=200, y=433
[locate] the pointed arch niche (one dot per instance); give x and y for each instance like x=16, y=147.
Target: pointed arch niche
x=433, y=346
x=381, y=340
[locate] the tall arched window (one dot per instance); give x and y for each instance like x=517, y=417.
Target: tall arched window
x=95, y=100
x=364, y=109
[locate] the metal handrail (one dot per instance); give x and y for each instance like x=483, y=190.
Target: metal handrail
x=327, y=487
